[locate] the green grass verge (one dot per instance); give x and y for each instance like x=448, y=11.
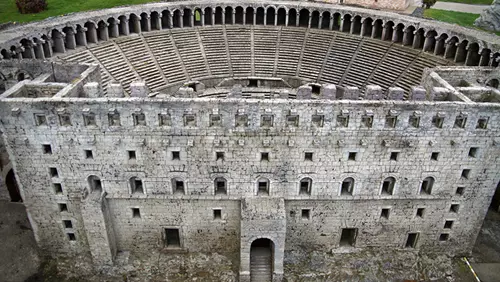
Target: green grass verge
x=474, y=2
x=459, y=18
x=9, y=12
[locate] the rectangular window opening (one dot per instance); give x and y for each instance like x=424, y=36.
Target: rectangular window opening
x=40, y=120
x=47, y=149
x=318, y=120
x=67, y=224
x=136, y=213
x=348, y=236
x=241, y=120
x=114, y=119
x=346, y=188
x=65, y=120
x=138, y=186
x=390, y=121
x=343, y=121
x=63, y=207
x=434, y=156
x=465, y=174
x=308, y=156
x=220, y=187
x=53, y=172
x=394, y=156
x=352, y=156
x=176, y=155
x=482, y=123
x=179, y=187
x=263, y=188
x=437, y=122
x=387, y=187
x=460, y=122
x=414, y=121
x=266, y=121
x=454, y=208
x=385, y=213
x=460, y=191
x=306, y=214
x=58, y=188
x=217, y=214
x=412, y=240
x=473, y=152
x=444, y=237
x=448, y=224
x=132, y=155
x=264, y=156
x=367, y=121
x=139, y=119
x=189, y=120
x=71, y=236
x=219, y=156
x=172, y=238
x=292, y=120
x=253, y=83
x=89, y=154
x=420, y=212
x=89, y=120
x=215, y=120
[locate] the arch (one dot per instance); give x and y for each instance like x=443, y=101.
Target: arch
x=187, y=17
x=430, y=41
x=440, y=45
x=178, y=186
x=418, y=39
x=305, y=186
x=409, y=35
x=281, y=16
x=388, y=186
x=484, y=60
x=347, y=186
x=94, y=183
x=262, y=252
x=304, y=18
x=239, y=15
x=228, y=15
x=292, y=17
x=27, y=48
x=451, y=48
x=145, y=23
x=13, y=187
x=472, y=55
x=249, y=15
x=495, y=59
x=197, y=17
x=165, y=19
x=220, y=186
x=263, y=186
x=398, y=35
x=260, y=17
x=388, y=31
x=325, y=20
x=356, y=25
x=270, y=15
x=133, y=27
x=102, y=28
x=494, y=83
x=346, y=23
x=367, y=27
x=461, y=53
x=113, y=27
x=177, y=19
x=136, y=185
x=377, y=29
x=155, y=21
x=122, y=25
x=219, y=14
x=337, y=21
x=315, y=19
x=5, y=54
x=427, y=185
x=207, y=16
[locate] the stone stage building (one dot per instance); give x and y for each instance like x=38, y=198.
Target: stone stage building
x=253, y=130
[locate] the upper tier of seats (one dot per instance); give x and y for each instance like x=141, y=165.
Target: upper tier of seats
x=315, y=55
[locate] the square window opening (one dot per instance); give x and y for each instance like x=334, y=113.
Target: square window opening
x=179, y=187
x=172, y=238
x=434, y=156
x=219, y=156
x=316, y=89
x=89, y=120
x=176, y=155
x=473, y=152
x=460, y=122
x=189, y=120
x=437, y=122
x=215, y=120
x=367, y=121
x=318, y=120
x=352, y=156
x=136, y=213
x=71, y=236
x=63, y=207
x=292, y=121
x=132, y=155
x=460, y=191
x=465, y=174
x=306, y=214
x=53, y=172
x=420, y=212
x=263, y=188
x=114, y=119
x=454, y=208
x=308, y=156
x=444, y=237
x=343, y=121
x=394, y=156
x=264, y=156
x=65, y=120
x=348, y=236
x=67, y=224
x=385, y=213
x=217, y=214
x=58, y=188
x=390, y=121
x=482, y=123
x=241, y=120
x=414, y=121
x=47, y=149
x=89, y=154
x=266, y=121
x=448, y=224
x=164, y=120
x=139, y=119
x=40, y=120
x=412, y=240
x=253, y=83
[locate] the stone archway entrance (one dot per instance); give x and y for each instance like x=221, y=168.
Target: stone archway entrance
x=261, y=260
x=11, y=183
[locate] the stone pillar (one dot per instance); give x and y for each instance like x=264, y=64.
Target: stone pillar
x=276, y=18
x=450, y=50
x=191, y=19
x=330, y=26
x=223, y=17
x=47, y=48
x=395, y=93
x=233, y=19
x=202, y=15
x=115, y=32
x=115, y=89
x=320, y=21
x=92, y=34
x=374, y=30
x=81, y=38
x=138, y=89
x=351, y=93
x=385, y=31
x=297, y=18
x=429, y=40
x=417, y=38
x=265, y=17
x=438, y=50
x=92, y=90
x=374, y=92
x=329, y=92
x=70, y=39
x=395, y=35
x=244, y=17
x=309, y=21
x=461, y=54
x=39, y=50
x=363, y=29
x=342, y=24
x=148, y=23
x=137, y=24
x=468, y=57
x=352, y=27
x=103, y=31
x=304, y=92
x=407, y=36
x=418, y=93
x=213, y=17
x=158, y=21
x=59, y=42
x=124, y=27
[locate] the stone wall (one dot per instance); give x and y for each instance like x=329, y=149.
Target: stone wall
x=380, y=4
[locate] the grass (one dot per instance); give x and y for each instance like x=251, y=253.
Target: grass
x=475, y=2
x=459, y=18
x=9, y=12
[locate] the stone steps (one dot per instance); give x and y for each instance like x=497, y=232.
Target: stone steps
x=316, y=48
x=239, y=43
x=265, y=43
x=189, y=48
x=290, y=50
x=214, y=44
x=261, y=265
x=163, y=49
x=343, y=48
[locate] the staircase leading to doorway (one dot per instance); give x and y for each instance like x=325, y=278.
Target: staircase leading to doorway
x=261, y=264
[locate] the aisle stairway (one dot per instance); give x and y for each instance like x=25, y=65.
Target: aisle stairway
x=261, y=264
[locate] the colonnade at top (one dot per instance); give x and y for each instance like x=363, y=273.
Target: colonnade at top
x=59, y=40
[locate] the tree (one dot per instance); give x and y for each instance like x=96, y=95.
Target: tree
x=428, y=3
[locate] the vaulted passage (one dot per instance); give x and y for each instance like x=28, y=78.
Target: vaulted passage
x=11, y=183
x=261, y=260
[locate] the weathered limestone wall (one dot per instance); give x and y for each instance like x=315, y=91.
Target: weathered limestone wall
x=379, y=4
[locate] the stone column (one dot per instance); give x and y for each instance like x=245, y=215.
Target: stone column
x=320, y=23
x=461, y=54
x=92, y=34
x=202, y=15
x=416, y=40
x=342, y=24
x=81, y=39
x=103, y=31
x=39, y=50
x=148, y=23
x=223, y=17
x=47, y=48
x=450, y=50
x=297, y=18
x=407, y=38
x=265, y=17
x=158, y=21
x=439, y=47
x=171, y=20
x=395, y=35
x=276, y=18
x=330, y=26
x=28, y=52
x=137, y=24
x=115, y=32
x=124, y=27
x=59, y=42
x=385, y=31
x=233, y=19
x=244, y=17
x=70, y=39
x=309, y=21
x=429, y=40
x=191, y=18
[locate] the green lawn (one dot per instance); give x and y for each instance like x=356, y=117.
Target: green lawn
x=477, y=2
x=9, y=13
x=463, y=19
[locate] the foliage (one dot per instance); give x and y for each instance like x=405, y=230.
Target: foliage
x=31, y=6
x=428, y=3
x=473, y=2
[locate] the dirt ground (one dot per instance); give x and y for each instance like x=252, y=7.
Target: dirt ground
x=19, y=261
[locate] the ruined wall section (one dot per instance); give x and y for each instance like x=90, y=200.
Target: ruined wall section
x=332, y=145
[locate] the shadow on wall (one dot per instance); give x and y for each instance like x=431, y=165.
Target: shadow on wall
x=11, y=183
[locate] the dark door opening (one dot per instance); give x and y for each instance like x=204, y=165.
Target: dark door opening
x=261, y=260
x=172, y=238
x=11, y=183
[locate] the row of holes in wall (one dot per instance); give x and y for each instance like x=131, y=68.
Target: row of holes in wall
x=263, y=185
x=266, y=120
x=264, y=156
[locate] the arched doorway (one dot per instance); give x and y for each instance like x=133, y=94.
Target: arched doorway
x=11, y=183
x=261, y=260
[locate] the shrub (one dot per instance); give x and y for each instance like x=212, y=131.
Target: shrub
x=31, y=6
x=428, y=3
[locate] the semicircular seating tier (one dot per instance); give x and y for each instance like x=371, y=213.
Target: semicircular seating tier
x=171, y=43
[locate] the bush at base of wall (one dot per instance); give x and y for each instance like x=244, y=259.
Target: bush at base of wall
x=31, y=6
